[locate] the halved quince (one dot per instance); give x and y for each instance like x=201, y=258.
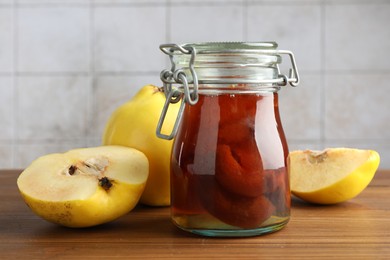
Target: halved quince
x=85, y=187
x=331, y=176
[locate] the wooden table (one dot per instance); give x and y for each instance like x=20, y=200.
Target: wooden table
x=358, y=229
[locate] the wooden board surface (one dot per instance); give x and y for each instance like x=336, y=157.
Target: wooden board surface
x=357, y=229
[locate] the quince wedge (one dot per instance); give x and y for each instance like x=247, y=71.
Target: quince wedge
x=331, y=176
x=85, y=187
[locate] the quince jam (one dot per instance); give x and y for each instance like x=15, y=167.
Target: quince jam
x=229, y=164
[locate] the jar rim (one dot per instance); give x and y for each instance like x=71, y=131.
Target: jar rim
x=230, y=62
x=236, y=47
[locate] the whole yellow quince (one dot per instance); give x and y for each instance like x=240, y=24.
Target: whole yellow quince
x=134, y=125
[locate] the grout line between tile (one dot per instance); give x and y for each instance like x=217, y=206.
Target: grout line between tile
x=134, y=4
x=91, y=74
x=168, y=10
x=245, y=20
x=15, y=139
x=196, y=3
x=134, y=73
x=48, y=4
x=86, y=73
x=322, y=77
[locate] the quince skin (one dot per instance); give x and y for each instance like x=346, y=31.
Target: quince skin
x=134, y=125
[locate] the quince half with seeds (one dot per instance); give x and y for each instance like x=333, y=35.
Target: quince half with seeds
x=85, y=187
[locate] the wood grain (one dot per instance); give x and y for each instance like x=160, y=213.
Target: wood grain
x=357, y=229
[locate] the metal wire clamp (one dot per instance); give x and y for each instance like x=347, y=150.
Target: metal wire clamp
x=172, y=94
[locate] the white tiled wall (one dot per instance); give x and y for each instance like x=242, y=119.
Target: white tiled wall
x=65, y=65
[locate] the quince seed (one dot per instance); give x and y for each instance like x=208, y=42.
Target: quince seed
x=105, y=183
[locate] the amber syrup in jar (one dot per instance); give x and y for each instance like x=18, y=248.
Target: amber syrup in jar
x=229, y=166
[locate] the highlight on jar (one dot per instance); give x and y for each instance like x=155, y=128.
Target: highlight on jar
x=229, y=172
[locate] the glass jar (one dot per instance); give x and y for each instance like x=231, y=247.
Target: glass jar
x=228, y=163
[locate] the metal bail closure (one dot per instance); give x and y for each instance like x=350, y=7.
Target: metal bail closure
x=173, y=95
x=293, y=77
x=160, y=123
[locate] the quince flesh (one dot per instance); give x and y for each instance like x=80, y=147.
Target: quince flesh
x=331, y=176
x=134, y=125
x=85, y=187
